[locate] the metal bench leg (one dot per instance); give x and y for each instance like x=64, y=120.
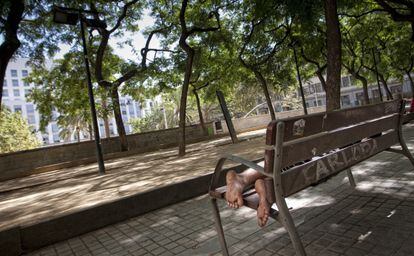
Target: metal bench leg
x=404, y=147
x=284, y=214
x=219, y=227
x=287, y=222
x=406, y=152
x=351, y=178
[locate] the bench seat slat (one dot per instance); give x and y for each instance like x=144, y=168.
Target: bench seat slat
x=302, y=176
x=306, y=148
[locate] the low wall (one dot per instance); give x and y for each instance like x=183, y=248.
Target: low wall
x=261, y=121
x=22, y=163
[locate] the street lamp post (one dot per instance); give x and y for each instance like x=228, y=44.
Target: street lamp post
x=72, y=16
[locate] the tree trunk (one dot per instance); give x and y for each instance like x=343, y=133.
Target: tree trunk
x=78, y=133
x=385, y=84
x=183, y=100
x=411, y=83
x=105, y=119
x=263, y=83
x=321, y=79
x=118, y=119
x=333, y=43
x=90, y=132
x=200, y=113
x=11, y=42
x=106, y=125
x=364, y=82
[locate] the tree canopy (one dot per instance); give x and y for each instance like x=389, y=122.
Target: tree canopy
x=243, y=48
x=15, y=133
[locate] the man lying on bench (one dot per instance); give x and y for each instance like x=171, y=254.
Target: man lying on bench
x=236, y=183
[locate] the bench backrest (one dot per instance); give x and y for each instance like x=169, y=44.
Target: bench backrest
x=318, y=145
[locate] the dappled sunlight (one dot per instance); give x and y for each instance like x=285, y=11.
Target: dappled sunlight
x=376, y=211
x=364, y=236
x=60, y=192
x=50, y=194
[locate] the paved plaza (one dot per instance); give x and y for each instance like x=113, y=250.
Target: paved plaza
x=39, y=197
x=376, y=218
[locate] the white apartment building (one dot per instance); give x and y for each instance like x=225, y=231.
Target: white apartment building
x=351, y=94
x=14, y=97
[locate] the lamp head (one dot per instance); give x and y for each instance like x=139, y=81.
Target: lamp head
x=63, y=16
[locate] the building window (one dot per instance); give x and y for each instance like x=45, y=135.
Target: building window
x=375, y=93
x=55, y=128
x=16, y=92
x=319, y=103
x=15, y=82
x=306, y=90
x=26, y=84
x=17, y=108
x=346, y=101
x=27, y=92
x=318, y=87
x=4, y=83
x=345, y=81
x=25, y=73
x=311, y=88
x=31, y=119
x=359, y=98
x=30, y=108
x=13, y=72
x=131, y=110
x=5, y=93
x=56, y=138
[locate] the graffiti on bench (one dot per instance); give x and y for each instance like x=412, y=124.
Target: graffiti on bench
x=321, y=167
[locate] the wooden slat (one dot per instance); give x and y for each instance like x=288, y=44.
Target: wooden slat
x=304, y=149
x=300, y=177
x=303, y=126
x=355, y=115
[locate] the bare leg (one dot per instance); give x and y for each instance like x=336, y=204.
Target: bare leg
x=236, y=184
x=264, y=205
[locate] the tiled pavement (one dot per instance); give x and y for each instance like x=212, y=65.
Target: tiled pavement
x=377, y=218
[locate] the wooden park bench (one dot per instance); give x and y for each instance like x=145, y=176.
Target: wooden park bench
x=304, y=150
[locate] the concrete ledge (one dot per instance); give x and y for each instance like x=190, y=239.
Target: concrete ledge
x=22, y=163
x=92, y=159
x=29, y=238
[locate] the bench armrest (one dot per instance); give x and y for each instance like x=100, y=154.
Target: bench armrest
x=236, y=159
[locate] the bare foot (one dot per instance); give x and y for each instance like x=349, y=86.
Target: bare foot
x=264, y=206
x=235, y=186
